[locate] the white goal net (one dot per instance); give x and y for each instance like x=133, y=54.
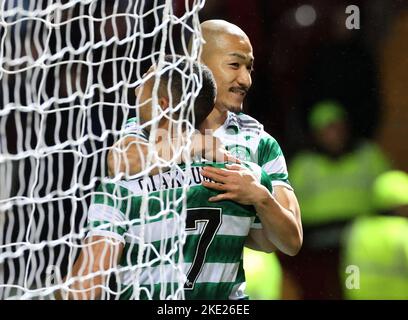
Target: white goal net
x=68, y=72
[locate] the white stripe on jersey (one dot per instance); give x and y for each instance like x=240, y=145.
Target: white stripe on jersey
x=101, y=212
x=277, y=165
x=211, y=272
x=106, y=234
x=170, y=227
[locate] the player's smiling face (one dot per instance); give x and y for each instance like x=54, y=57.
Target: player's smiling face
x=231, y=61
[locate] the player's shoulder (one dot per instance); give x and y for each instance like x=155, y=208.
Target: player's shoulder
x=247, y=118
x=133, y=128
x=248, y=124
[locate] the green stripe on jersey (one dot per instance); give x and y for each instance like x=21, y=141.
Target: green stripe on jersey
x=268, y=149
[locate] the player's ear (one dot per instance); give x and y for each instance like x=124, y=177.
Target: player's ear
x=164, y=102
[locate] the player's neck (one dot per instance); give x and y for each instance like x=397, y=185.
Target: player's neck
x=215, y=119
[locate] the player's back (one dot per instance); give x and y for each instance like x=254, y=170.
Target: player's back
x=215, y=235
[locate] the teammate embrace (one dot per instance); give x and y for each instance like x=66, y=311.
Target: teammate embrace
x=236, y=205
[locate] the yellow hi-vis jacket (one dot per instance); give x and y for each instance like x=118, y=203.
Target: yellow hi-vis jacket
x=374, y=263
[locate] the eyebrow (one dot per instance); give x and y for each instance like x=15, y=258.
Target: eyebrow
x=240, y=56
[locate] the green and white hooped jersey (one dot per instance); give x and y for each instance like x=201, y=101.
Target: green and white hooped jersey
x=215, y=234
x=246, y=139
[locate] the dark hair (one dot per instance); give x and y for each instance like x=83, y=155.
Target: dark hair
x=204, y=102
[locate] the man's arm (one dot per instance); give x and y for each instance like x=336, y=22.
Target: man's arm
x=256, y=240
x=279, y=214
x=99, y=254
x=281, y=221
x=129, y=155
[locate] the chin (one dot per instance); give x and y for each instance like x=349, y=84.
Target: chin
x=234, y=109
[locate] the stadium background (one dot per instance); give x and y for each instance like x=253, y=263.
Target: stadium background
x=286, y=81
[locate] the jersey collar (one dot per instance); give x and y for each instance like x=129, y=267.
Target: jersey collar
x=232, y=123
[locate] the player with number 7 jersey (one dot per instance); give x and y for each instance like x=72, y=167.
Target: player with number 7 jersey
x=149, y=228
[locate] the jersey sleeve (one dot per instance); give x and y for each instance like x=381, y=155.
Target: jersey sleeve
x=272, y=161
x=106, y=214
x=261, y=174
x=265, y=180
x=133, y=128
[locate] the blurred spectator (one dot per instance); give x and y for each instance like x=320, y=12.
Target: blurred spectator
x=378, y=245
x=343, y=68
x=333, y=183
x=263, y=275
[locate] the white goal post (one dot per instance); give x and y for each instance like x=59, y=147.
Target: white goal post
x=68, y=71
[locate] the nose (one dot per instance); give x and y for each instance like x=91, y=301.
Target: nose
x=244, y=78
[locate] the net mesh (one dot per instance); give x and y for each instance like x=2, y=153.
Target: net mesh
x=68, y=71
